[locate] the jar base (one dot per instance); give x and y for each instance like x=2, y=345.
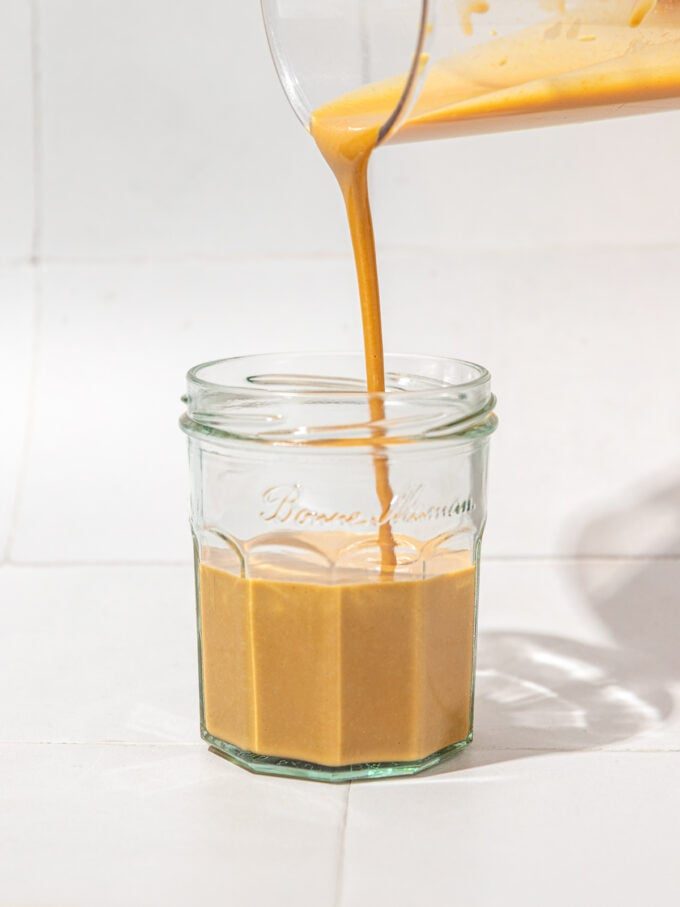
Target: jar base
x=332, y=774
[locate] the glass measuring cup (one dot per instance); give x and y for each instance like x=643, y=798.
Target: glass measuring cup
x=434, y=68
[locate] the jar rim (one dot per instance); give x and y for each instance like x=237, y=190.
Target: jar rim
x=321, y=398
x=482, y=377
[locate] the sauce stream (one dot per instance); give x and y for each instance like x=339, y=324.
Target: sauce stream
x=600, y=59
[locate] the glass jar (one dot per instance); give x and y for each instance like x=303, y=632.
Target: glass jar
x=337, y=559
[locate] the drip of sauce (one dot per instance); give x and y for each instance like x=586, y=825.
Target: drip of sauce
x=466, y=10
x=640, y=12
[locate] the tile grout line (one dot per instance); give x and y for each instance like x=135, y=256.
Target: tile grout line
x=183, y=744
x=36, y=233
x=33, y=261
x=273, y=257
x=340, y=872
x=49, y=565
x=170, y=744
x=30, y=417
x=577, y=558
x=519, y=559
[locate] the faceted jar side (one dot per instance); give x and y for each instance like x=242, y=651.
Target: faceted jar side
x=315, y=661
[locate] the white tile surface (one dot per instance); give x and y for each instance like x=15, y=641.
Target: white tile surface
x=514, y=829
x=143, y=826
x=166, y=133
x=597, y=183
x=581, y=346
x=101, y=654
x=16, y=131
x=107, y=458
x=16, y=351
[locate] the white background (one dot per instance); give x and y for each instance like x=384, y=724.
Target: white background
x=161, y=206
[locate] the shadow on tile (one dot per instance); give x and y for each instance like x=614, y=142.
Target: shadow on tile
x=641, y=606
x=538, y=693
